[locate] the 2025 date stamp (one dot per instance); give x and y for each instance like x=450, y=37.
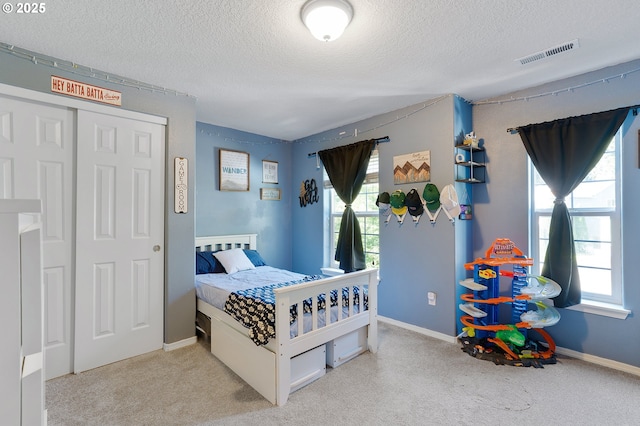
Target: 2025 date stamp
x=24, y=8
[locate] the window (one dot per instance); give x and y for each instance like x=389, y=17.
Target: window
x=366, y=211
x=595, y=211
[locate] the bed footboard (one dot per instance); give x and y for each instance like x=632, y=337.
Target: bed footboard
x=287, y=348
x=268, y=369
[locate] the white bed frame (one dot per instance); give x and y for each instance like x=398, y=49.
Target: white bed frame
x=268, y=369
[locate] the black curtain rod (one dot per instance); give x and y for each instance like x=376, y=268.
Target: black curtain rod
x=634, y=109
x=378, y=140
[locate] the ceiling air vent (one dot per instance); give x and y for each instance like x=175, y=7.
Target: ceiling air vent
x=565, y=47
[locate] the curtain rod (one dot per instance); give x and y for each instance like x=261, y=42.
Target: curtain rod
x=514, y=130
x=378, y=140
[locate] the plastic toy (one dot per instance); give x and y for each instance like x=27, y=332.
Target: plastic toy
x=544, y=316
x=502, y=252
x=544, y=288
x=512, y=336
x=470, y=139
x=482, y=335
x=487, y=273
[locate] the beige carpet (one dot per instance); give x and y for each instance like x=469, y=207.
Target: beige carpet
x=412, y=380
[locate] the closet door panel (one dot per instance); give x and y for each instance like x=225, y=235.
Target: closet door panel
x=120, y=226
x=36, y=161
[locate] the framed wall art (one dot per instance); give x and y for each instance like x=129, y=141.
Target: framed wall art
x=234, y=170
x=269, y=171
x=272, y=194
x=410, y=168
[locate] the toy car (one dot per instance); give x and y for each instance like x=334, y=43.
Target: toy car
x=487, y=274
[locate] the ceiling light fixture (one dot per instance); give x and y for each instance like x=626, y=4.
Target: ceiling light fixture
x=326, y=19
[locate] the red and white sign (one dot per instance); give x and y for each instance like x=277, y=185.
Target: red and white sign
x=85, y=91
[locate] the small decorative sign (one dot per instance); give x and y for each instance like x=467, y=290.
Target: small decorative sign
x=308, y=193
x=85, y=91
x=270, y=194
x=181, y=172
x=269, y=171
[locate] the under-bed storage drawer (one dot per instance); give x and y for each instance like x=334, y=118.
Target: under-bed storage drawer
x=346, y=347
x=307, y=367
x=203, y=323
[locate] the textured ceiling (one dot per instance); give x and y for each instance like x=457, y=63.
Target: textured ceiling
x=253, y=66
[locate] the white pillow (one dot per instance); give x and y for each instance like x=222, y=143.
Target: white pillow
x=234, y=260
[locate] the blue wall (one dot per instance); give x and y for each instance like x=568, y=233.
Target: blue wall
x=462, y=125
x=415, y=258
x=422, y=258
x=225, y=212
x=308, y=223
x=501, y=207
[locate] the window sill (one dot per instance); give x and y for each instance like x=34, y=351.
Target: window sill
x=331, y=271
x=599, y=308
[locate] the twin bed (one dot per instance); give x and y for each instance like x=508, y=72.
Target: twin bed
x=276, y=329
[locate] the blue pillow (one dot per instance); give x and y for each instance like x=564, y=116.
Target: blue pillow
x=255, y=257
x=207, y=264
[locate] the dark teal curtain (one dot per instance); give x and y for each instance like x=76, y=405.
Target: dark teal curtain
x=564, y=152
x=346, y=167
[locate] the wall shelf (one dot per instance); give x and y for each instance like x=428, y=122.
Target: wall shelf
x=470, y=169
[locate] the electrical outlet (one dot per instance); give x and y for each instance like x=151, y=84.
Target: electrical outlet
x=431, y=297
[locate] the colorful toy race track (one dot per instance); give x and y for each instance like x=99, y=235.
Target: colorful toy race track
x=510, y=344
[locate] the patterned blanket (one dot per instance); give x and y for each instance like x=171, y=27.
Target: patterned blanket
x=255, y=308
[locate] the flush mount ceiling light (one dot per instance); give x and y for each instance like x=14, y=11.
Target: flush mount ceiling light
x=326, y=19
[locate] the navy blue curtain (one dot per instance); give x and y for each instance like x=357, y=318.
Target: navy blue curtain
x=346, y=167
x=564, y=152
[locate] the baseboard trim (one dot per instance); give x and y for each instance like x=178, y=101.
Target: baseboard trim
x=420, y=330
x=180, y=344
x=604, y=362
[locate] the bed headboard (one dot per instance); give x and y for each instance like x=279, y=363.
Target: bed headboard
x=226, y=242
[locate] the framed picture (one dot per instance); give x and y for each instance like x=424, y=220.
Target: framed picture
x=410, y=168
x=269, y=171
x=234, y=170
x=270, y=194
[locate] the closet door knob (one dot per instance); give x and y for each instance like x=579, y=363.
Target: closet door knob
x=156, y=248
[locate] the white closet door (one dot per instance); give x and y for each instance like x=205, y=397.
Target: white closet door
x=36, y=161
x=119, y=239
